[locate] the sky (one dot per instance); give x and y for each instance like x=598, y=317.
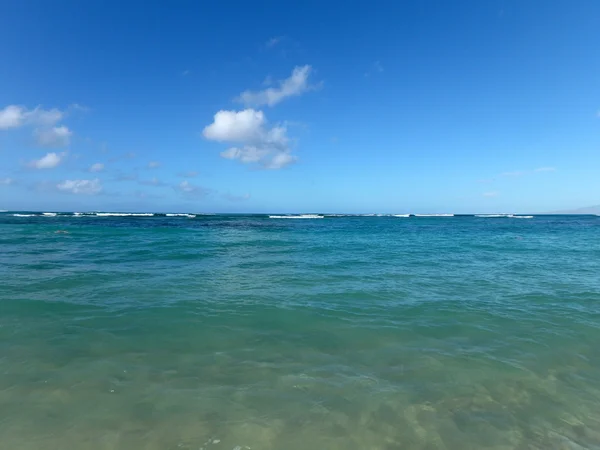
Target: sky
x=315, y=106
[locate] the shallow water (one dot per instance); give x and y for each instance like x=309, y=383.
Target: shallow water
x=237, y=332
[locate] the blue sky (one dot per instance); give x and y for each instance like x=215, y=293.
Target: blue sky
x=413, y=106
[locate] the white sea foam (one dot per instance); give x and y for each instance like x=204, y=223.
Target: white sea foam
x=401, y=215
x=434, y=215
x=301, y=216
x=101, y=214
x=191, y=216
x=49, y=214
x=520, y=217
x=24, y=215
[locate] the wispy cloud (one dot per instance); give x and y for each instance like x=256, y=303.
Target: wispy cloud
x=85, y=187
x=259, y=143
x=152, y=182
x=126, y=177
x=297, y=84
x=97, y=167
x=376, y=67
x=185, y=73
x=7, y=181
x=190, y=174
x=191, y=190
x=545, y=169
x=235, y=198
x=153, y=164
x=54, y=137
x=491, y=194
x=49, y=161
x=272, y=42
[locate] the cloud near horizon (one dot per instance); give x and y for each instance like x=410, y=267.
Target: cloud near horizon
x=268, y=147
x=85, y=187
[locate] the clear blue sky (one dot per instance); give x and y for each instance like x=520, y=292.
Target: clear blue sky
x=395, y=106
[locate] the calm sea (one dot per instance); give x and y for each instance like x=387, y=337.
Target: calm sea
x=251, y=332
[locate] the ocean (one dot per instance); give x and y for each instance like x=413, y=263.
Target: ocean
x=235, y=332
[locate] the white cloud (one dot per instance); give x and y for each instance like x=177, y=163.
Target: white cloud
x=259, y=143
x=14, y=116
x=491, y=194
x=50, y=161
x=97, y=167
x=11, y=117
x=153, y=164
x=295, y=85
x=185, y=73
x=54, y=137
x=7, y=181
x=545, y=169
x=273, y=41
x=87, y=187
x=191, y=190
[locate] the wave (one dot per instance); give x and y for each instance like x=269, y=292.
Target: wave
x=400, y=215
x=124, y=214
x=25, y=215
x=434, y=215
x=492, y=216
x=49, y=214
x=502, y=216
x=301, y=216
x=191, y=216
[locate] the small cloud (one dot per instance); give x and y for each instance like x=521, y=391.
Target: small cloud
x=376, y=67
x=78, y=107
x=6, y=181
x=54, y=137
x=295, y=85
x=191, y=190
x=98, y=167
x=491, y=194
x=185, y=73
x=50, y=161
x=545, y=169
x=273, y=41
x=153, y=164
x=153, y=182
x=235, y=198
x=86, y=187
x=334, y=139
x=190, y=174
x=268, y=81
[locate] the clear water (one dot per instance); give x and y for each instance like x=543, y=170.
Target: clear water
x=244, y=332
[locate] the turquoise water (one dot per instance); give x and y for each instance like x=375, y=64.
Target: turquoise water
x=246, y=332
